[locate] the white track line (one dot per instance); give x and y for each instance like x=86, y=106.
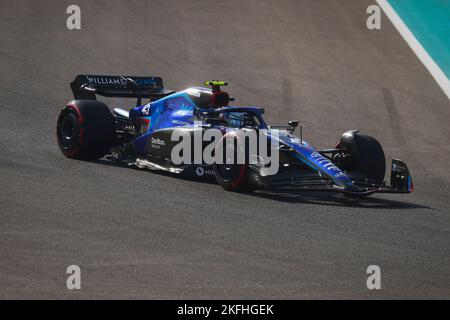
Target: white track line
x=415, y=45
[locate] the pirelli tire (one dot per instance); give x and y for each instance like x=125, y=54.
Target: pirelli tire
x=365, y=155
x=85, y=129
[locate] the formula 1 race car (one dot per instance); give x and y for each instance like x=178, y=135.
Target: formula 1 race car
x=143, y=136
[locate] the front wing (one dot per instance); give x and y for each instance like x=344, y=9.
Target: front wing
x=400, y=182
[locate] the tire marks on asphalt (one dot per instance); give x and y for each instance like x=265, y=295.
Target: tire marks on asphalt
x=394, y=123
x=394, y=120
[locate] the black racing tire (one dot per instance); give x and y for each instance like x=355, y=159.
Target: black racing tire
x=366, y=155
x=233, y=177
x=85, y=129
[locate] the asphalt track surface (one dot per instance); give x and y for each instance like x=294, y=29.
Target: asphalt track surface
x=137, y=234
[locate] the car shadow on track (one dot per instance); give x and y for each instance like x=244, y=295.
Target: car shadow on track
x=324, y=198
x=329, y=198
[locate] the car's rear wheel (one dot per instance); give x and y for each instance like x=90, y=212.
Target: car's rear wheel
x=85, y=129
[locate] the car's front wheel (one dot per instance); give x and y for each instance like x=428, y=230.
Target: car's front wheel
x=363, y=154
x=231, y=175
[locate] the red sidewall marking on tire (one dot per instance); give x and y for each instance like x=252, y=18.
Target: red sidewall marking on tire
x=238, y=181
x=241, y=175
x=80, y=132
x=80, y=120
x=75, y=108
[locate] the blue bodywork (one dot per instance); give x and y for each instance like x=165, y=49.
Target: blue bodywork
x=310, y=156
x=177, y=110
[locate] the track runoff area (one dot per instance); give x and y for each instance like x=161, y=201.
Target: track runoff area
x=425, y=25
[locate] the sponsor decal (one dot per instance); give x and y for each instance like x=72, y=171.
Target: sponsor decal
x=146, y=82
x=157, y=143
x=180, y=122
x=119, y=81
x=200, y=171
x=326, y=163
x=110, y=81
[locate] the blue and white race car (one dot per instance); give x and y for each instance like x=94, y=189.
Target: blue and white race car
x=143, y=135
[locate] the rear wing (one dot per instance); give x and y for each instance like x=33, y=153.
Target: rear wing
x=88, y=86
